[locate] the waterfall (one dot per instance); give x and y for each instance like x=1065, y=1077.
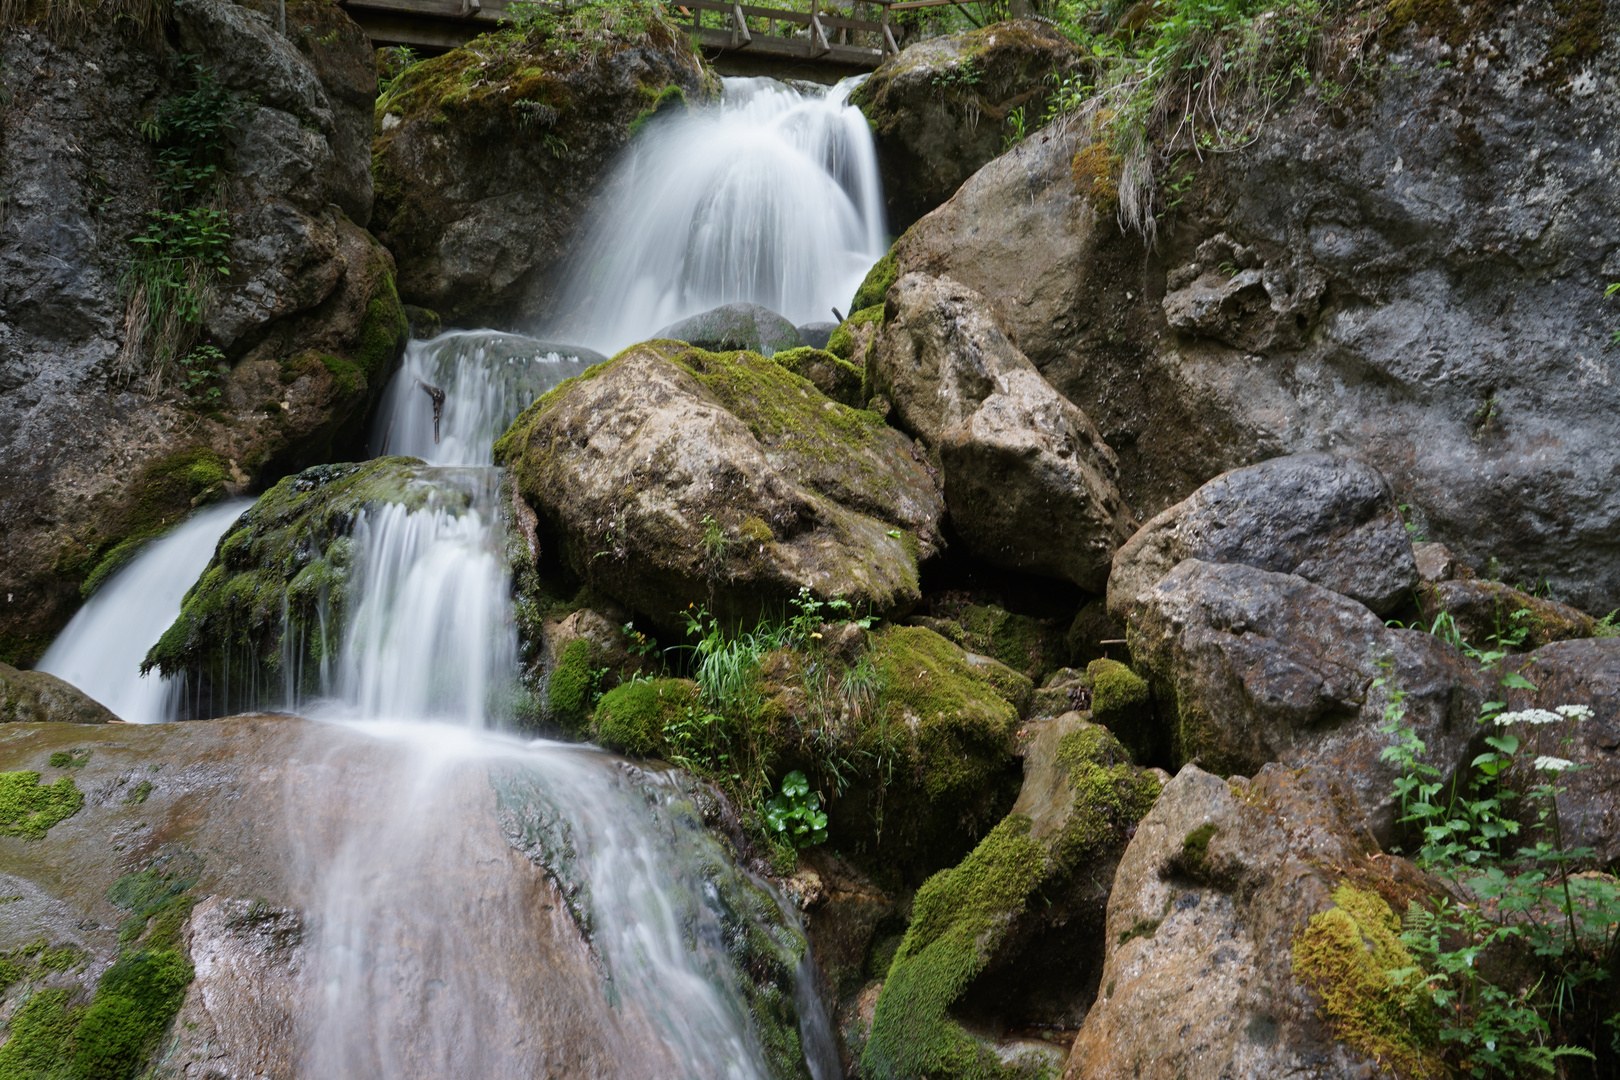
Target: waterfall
x=771, y=197
x=487, y=377
x=101, y=649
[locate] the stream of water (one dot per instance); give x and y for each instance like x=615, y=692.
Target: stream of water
x=773, y=198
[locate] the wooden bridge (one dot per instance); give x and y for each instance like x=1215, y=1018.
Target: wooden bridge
x=769, y=36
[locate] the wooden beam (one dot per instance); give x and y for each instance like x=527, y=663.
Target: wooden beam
x=740, y=36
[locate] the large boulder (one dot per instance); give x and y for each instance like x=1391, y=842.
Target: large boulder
x=1574, y=673
x=943, y=107
x=487, y=157
x=1205, y=975
x=1250, y=667
x=1011, y=936
x=736, y=326
x=1028, y=479
x=1395, y=288
x=672, y=476
x=1331, y=520
x=99, y=449
x=28, y=697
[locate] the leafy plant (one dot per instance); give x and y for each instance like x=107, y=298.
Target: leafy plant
x=183, y=249
x=1018, y=132
x=795, y=813
x=203, y=369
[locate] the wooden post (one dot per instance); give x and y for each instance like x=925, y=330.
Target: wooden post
x=739, y=27
x=888, y=38
x=818, y=36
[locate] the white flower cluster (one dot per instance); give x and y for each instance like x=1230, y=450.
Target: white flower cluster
x=1553, y=764
x=1544, y=716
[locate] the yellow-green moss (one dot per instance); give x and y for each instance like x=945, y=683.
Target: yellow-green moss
x=347, y=378
x=383, y=332
x=1110, y=796
x=958, y=920
x=669, y=99
x=1028, y=646
x=1346, y=954
x=875, y=286
x=842, y=342
x=631, y=718
x=568, y=687
x=1121, y=702
x=834, y=376
x=28, y=808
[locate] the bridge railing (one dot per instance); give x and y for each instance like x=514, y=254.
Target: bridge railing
x=829, y=35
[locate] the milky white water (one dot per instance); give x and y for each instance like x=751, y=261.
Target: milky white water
x=420, y=962
x=771, y=197
x=101, y=649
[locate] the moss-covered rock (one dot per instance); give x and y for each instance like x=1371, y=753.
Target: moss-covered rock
x=485, y=156
x=1122, y=702
x=632, y=718
x=834, y=376
x=873, y=287
x=1490, y=615
x=1032, y=647
x=730, y=327
x=945, y=106
x=671, y=476
x=973, y=923
x=28, y=808
x=277, y=589
x=1094, y=635
x=849, y=340
x=36, y=696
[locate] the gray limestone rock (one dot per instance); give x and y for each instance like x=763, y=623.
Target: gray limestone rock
x=736, y=326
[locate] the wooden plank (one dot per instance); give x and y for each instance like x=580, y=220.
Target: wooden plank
x=791, y=48
x=800, y=17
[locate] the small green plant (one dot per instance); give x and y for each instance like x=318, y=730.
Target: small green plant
x=1414, y=532
x=1613, y=288
x=1017, y=131
x=183, y=249
x=204, y=368
x=794, y=814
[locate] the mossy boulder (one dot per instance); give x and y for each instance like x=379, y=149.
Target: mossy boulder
x=672, y=476
x=486, y=156
x=36, y=696
x=1122, y=702
x=1011, y=935
x=834, y=376
x=632, y=718
x=1239, y=890
x=282, y=575
x=875, y=285
x=1030, y=646
x=1094, y=635
x=851, y=338
x=946, y=105
x=1489, y=614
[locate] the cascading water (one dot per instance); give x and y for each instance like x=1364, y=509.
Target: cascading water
x=417, y=963
x=101, y=649
x=772, y=198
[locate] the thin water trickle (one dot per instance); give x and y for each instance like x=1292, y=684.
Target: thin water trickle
x=101, y=649
x=772, y=197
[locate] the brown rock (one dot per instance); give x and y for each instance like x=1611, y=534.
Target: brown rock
x=1435, y=562
x=841, y=915
x=29, y=697
x=1490, y=615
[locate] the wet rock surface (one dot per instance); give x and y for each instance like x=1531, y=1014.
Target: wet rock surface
x=737, y=326
x=1028, y=479
x=1250, y=667
x=944, y=106
x=1330, y=520
x=674, y=476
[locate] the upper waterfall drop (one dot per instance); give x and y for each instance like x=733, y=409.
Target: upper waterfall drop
x=771, y=197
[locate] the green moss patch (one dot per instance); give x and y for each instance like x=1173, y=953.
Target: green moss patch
x=136, y=1000
x=959, y=918
x=1351, y=955
x=834, y=376
x=875, y=286
x=1110, y=796
x=28, y=808
x=1122, y=702
x=631, y=718
x=842, y=341
x=568, y=687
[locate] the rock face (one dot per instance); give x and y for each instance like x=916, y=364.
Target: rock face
x=91, y=455
x=1010, y=934
x=736, y=326
x=944, y=106
x=1328, y=519
x=1028, y=479
x=487, y=157
x=1250, y=667
x=1347, y=227
x=28, y=697
x=674, y=476
x=1576, y=673
x=1216, y=884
